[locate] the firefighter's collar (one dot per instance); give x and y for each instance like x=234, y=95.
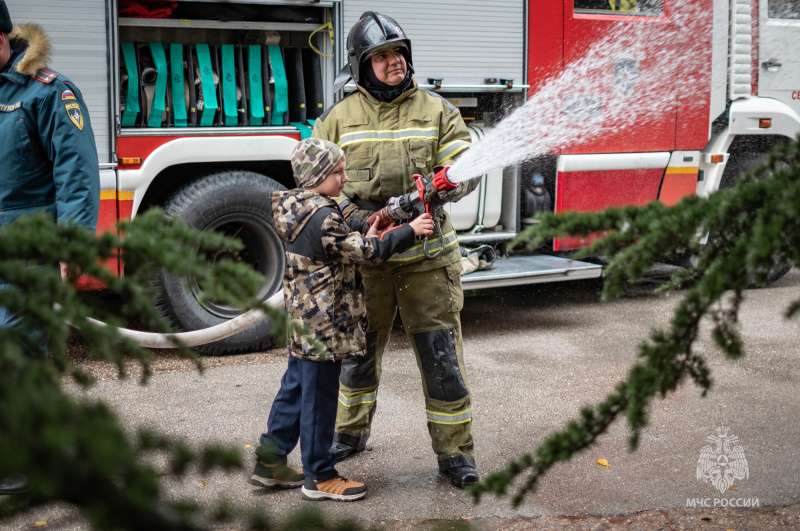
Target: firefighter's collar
x=402, y=97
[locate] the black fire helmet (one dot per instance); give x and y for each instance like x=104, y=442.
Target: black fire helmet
x=372, y=31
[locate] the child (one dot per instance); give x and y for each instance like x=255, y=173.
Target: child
x=322, y=287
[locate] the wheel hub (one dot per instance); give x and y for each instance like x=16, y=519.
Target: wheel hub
x=226, y=255
x=260, y=249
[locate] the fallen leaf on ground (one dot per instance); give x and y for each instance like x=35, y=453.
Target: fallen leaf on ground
x=40, y=524
x=603, y=462
x=248, y=445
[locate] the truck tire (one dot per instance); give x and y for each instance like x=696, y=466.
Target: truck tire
x=740, y=162
x=744, y=161
x=236, y=203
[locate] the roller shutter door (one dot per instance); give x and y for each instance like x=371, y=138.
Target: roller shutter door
x=461, y=42
x=77, y=29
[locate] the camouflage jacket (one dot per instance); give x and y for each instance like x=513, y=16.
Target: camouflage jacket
x=322, y=284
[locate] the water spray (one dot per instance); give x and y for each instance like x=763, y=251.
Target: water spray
x=587, y=101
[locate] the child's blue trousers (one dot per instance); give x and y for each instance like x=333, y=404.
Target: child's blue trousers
x=304, y=408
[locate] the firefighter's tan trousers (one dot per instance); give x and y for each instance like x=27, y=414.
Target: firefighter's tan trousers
x=429, y=303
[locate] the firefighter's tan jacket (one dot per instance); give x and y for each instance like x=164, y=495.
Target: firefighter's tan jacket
x=385, y=145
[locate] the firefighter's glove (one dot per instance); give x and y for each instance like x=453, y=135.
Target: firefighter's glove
x=440, y=180
x=446, y=191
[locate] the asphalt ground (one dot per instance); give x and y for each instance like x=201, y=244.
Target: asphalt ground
x=534, y=356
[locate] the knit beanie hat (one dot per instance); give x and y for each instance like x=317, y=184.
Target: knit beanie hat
x=5, y=19
x=312, y=161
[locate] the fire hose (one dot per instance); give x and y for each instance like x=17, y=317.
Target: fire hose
x=425, y=196
x=198, y=337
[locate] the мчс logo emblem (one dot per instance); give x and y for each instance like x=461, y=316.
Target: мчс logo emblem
x=722, y=462
x=74, y=113
x=626, y=72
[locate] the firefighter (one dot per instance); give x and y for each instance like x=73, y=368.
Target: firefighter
x=48, y=156
x=390, y=130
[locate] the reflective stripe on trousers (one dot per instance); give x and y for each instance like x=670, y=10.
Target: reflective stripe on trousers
x=449, y=418
x=354, y=400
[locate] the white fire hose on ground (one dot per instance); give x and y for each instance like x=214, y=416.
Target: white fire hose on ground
x=199, y=337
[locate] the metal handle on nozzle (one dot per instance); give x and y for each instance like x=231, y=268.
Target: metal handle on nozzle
x=422, y=184
x=437, y=230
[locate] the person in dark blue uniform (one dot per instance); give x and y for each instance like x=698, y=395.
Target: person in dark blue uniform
x=48, y=158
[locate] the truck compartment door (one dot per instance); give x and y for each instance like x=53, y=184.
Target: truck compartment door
x=461, y=42
x=624, y=57
x=588, y=183
x=778, y=60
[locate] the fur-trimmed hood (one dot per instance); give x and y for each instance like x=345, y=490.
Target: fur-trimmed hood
x=31, y=40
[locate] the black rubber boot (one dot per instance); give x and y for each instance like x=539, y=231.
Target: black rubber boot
x=461, y=470
x=14, y=485
x=345, y=446
x=461, y=476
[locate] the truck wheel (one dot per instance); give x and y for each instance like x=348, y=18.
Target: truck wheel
x=744, y=161
x=236, y=203
x=739, y=162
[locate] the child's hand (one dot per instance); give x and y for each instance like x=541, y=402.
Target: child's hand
x=423, y=225
x=373, y=231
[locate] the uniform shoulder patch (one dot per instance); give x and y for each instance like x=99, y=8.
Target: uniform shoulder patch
x=45, y=76
x=67, y=95
x=75, y=114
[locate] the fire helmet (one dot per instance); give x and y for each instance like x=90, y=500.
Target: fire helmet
x=372, y=31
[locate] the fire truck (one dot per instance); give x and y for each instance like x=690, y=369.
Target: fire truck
x=197, y=105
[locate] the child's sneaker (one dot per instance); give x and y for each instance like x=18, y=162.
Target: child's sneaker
x=277, y=475
x=338, y=488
